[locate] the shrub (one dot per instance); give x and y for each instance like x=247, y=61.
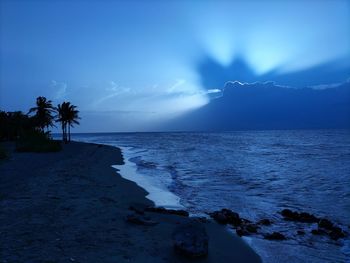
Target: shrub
x=37, y=141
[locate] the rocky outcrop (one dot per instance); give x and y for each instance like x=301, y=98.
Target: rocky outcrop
x=325, y=226
x=163, y=210
x=264, y=222
x=226, y=216
x=244, y=227
x=325, y=223
x=299, y=217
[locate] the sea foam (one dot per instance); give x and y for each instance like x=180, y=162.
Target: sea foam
x=157, y=192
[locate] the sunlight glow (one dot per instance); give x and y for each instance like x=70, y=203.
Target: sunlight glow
x=285, y=42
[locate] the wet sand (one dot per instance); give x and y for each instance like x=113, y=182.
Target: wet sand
x=71, y=206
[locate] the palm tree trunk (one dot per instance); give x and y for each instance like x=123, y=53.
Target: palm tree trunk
x=65, y=132
x=69, y=132
x=62, y=131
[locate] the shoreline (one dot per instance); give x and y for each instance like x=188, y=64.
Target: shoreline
x=157, y=194
x=71, y=206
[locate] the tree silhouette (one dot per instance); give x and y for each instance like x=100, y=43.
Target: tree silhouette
x=62, y=110
x=67, y=116
x=73, y=118
x=14, y=124
x=43, y=113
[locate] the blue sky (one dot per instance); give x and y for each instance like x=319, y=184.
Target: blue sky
x=129, y=65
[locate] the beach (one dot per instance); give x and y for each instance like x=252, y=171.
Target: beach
x=71, y=206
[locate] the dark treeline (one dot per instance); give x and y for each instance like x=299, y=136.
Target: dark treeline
x=33, y=128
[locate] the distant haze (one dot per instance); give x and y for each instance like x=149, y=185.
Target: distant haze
x=163, y=65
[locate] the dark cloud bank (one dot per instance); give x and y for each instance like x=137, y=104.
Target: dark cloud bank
x=297, y=101
x=269, y=106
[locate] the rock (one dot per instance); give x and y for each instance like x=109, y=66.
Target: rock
x=325, y=223
x=336, y=233
x=191, y=240
x=307, y=218
x=219, y=217
x=226, y=216
x=265, y=222
x=140, y=220
x=232, y=217
x=299, y=217
x=245, y=221
x=246, y=230
x=275, y=236
x=289, y=214
x=252, y=228
x=163, y=210
x=329, y=229
x=241, y=231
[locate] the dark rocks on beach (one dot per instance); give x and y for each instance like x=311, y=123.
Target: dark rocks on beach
x=299, y=217
x=307, y=218
x=289, y=214
x=275, y=236
x=336, y=233
x=252, y=228
x=325, y=223
x=219, y=217
x=241, y=231
x=265, y=222
x=163, y=210
x=247, y=229
x=191, y=240
x=325, y=226
x=140, y=220
x=244, y=227
x=226, y=216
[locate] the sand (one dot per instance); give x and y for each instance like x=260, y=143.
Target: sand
x=71, y=206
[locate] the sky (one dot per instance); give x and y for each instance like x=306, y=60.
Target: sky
x=130, y=65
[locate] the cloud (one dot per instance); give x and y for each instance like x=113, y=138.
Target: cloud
x=261, y=84
x=59, y=90
x=164, y=100
x=112, y=90
x=267, y=106
x=177, y=87
x=210, y=91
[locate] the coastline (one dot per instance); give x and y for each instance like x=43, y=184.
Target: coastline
x=155, y=192
x=71, y=206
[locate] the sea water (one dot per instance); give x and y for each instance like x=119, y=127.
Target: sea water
x=255, y=173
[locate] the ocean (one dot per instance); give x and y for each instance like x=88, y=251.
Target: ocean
x=254, y=173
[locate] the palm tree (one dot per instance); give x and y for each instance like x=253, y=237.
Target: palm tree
x=72, y=118
x=67, y=116
x=62, y=110
x=43, y=113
